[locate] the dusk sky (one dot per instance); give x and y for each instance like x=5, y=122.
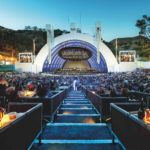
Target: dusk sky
x=117, y=17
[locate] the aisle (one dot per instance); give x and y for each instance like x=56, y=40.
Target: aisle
x=77, y=109
x=77, y=127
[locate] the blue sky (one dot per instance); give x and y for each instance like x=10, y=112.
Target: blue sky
x=117, y=17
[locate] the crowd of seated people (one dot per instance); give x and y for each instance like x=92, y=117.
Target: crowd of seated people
x=11, y=85
x=104, y=84
x=117, y=84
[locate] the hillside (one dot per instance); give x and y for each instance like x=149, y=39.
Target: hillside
x=12, y=41
x=15, y=41
x=139, y=43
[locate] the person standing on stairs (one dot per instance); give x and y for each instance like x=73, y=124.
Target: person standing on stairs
x=75, y=85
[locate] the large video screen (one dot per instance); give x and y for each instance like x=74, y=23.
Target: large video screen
x=25, y=57
x=127, y=56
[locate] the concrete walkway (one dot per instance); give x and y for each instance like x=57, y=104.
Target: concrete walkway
x=77, y=127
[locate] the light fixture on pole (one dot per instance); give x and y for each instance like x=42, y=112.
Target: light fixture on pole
x=116, y=48
x=34, y=48
x=50, y=38
x=98, y=40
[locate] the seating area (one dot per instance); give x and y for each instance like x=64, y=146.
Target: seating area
x=74, y=75
x=102, y=104
x=50, y=104
x=75, y=118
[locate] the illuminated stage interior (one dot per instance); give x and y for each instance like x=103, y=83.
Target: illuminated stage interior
x=76, y=58
x=76, y=61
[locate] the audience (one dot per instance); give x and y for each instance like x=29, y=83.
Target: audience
x=116, y=84
x=104, y=84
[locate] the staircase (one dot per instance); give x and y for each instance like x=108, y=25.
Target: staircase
x=77, y=127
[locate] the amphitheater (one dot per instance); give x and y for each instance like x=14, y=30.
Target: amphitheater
x=75, y=95
x=79, y=44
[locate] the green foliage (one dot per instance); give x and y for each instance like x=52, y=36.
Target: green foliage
x=143, y=59
x=145, y=52
x=132, y=43
x=144, y=26
x=22, y=40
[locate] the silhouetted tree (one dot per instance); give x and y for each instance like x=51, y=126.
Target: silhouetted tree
x=27, y=28
x=35, y=28
x=144, y=26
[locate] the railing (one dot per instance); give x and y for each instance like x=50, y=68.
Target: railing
x=131, y=131
x=102, y=104
x=57, y=99
x=93, y=97
x=138, y=96
x=50, y=104
x=20, y=134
